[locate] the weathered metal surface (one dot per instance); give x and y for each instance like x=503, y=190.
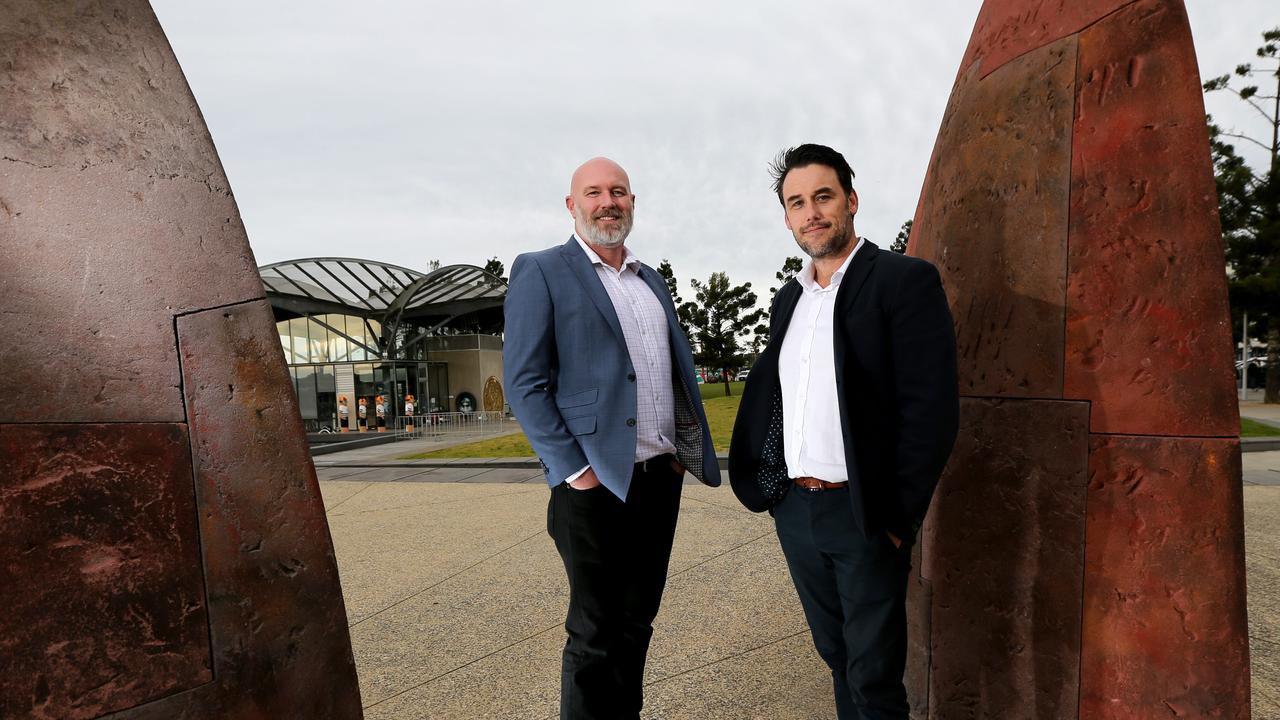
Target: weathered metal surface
x=1007, y=29
x=132, y=296
x=1003, y=550
x=1165, y=633
x=919, y=632
x=113, y=211
x=1148, y=332
x=1138, y=334
x=104, y=604
x=993, y=218
x=279, y=628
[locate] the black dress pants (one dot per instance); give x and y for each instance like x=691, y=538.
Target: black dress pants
x=853, y=591
x=616, y=557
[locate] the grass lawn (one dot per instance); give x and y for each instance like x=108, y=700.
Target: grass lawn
x=721, y=412
x=1253, y=428
x=716, y=391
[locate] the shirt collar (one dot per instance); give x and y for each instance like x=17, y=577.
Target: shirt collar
x=809, y=284
x=629, y=260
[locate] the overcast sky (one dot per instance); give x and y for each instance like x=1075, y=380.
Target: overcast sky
x=407, y=132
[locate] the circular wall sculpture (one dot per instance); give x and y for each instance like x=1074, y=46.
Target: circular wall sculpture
x=493, y=397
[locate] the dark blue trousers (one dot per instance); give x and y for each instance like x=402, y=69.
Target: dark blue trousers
x=853, y=591
x=615, y=555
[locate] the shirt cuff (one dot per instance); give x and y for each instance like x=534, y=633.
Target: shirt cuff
x=578, y=474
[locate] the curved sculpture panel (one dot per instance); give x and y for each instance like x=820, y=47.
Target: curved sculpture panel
x=163, y=546
x=1084, y=554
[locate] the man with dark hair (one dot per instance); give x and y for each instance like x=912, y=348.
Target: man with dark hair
x=601, y=377
x=845, y=424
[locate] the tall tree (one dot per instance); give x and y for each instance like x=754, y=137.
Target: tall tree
x=899, y=244
x=760, y=333
x=720, y=316
x=1249, y=200
x=683, y=312
x=495, y=267
x=790, y=267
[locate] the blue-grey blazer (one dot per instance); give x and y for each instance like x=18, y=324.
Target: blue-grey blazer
x=569, y=376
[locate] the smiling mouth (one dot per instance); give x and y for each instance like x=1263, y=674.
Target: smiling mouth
x=813, y=228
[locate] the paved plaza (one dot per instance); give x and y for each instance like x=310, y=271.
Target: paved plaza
x=456, y=597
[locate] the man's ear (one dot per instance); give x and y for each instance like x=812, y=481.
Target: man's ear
x=787, y=219
x=853, y=202
x=568, y=203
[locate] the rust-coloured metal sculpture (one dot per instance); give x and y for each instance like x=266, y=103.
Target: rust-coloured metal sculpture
x=163, y=546
x=1084, y=554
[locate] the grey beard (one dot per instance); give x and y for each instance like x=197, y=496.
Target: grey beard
x=604, y=238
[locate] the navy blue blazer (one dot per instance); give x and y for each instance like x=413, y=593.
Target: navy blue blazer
x=896, y=386
x=569, y=376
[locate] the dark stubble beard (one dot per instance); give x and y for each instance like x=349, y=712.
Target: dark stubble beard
x=838, y=242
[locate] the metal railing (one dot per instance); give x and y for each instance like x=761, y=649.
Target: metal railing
x=477, y=424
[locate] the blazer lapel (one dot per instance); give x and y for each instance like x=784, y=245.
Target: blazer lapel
x=582, y=269
x=859, y=269
x=790, y=297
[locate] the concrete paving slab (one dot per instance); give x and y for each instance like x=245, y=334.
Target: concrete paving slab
x=782, y=680
x=495, y=603
x=336, y=492
x=393, y=545
x=1262, y=566
x=1261, y=468
x=457, y=597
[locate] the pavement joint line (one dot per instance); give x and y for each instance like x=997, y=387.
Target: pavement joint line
x=343, y=500
x=727, y=657
x=446, y=579
x=1258, y=640
x=728, y=508
x=716, y=557
x=418, y=505
x=349, y=477
x=465, y=664
x=1253, y=687
x=558, y=624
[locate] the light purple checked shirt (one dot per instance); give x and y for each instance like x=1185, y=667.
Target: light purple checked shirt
x=644, y=327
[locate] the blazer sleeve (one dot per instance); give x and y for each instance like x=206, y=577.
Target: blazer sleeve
x=923, y=341
x=530, y=365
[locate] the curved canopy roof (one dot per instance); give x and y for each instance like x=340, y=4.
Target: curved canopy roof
x=379, y=290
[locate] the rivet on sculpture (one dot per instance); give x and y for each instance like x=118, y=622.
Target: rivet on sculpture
x=1084, y=553
x=163, y=546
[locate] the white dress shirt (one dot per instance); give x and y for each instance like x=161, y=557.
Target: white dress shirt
x=645, y=330
x=812, y=440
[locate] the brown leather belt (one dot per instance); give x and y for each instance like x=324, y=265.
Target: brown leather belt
x=813, y=484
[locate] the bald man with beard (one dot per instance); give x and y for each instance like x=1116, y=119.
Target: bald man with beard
x=600, y=376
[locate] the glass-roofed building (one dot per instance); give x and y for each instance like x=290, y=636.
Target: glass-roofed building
x=359, y=329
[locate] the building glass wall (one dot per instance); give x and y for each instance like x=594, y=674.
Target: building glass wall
x=316, y=347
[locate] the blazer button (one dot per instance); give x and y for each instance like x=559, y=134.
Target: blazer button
x=631, y=422
x=631, y=377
